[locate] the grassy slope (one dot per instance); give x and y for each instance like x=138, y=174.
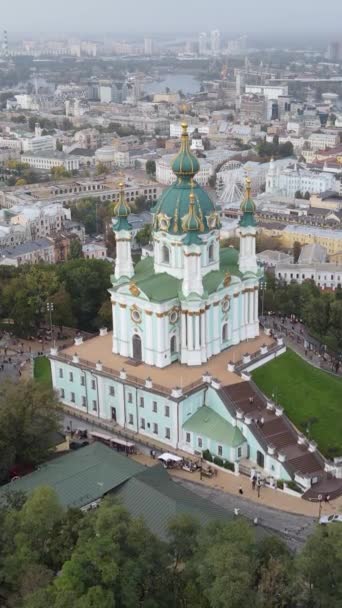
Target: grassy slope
x=305, y=392
x=42, y=370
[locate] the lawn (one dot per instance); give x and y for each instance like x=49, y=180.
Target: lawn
x=306, y=392
x=42, y=370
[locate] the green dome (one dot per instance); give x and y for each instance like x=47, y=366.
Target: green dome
x=171, y=212
x=185, y=163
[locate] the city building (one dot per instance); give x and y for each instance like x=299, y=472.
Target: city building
x=148, y=46
x=252, y=107
x=294, y=178
x=324, y=275
x=215, y=41
x=94, y=251
x=31, y=252
x=203, y=43
x=47, y=161
x=330, y=239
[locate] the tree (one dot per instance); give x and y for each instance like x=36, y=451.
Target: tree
x=29, y=415
x=296, y=250
x=285, y=149
x=151, y=167
x=105, y=315
x=59, y=172
x=143, y=236
x=298, y=194
x=307, y=195
x=101, y=169
x=21, y=182
x=75, y=249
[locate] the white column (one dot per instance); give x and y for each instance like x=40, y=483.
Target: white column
x=159, y=340
x=236, y=322
x=184, y=336
x=251, y=307
x=216, y=331
x=115, y=327
x=197, y=332
x=124, y=347
x=256, y=306
x=203, y=336
x=190, y=332
x=149, y=352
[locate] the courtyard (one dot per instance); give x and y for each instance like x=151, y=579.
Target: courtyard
x=312, y=398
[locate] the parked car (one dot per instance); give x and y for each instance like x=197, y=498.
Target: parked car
x=330, y=519
x=75, y=445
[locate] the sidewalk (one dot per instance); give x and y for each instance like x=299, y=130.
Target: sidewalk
x=275, y=499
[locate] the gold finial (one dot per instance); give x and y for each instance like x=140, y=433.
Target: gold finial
x=184, y=126
x=121, y=185
x=248, y=187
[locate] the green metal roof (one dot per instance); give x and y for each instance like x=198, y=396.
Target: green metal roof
x=161, y=287
x=81, y=476
x=207, y=423
x=155, y=497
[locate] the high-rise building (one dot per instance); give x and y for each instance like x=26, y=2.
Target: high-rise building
x=203, y=43
x=334, y=51
x=215, y=41
x=148, y=46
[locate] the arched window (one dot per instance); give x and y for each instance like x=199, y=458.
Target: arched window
x=165, y=255
x=173, y=345
x=225, y=332
x=211, y=252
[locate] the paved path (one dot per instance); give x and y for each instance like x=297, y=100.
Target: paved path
x=293, y=528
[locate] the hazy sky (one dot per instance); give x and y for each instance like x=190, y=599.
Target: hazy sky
x=149, y=16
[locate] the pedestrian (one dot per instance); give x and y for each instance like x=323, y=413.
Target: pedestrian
x=255, y=521
x=258, y=487
x=327, y=499
x=236, y=511
x=253, y=482
x=240, y=491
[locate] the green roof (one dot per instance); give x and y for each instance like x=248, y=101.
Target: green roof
x=160, y=287
x=155, y=497
x=185, y=163
x=79, y=477
x=207, y=423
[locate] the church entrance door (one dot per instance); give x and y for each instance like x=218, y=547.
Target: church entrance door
x=137, y=350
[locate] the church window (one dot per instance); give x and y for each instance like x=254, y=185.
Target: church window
x=188, y=438
x=225, y=304
x=94, y=405
x=62, y=393
x=173, y=316
x=155, y=407
x=219, y=450
x=142, y=402
x=225, y=332
x=239, y=453
x=155, y=428
x=173, y=345
x=111, y=391
x=142, y=423
x=199, y=442
x=93, y=385
x=72, y=397
x=167, y=411
x=60, y=372
x=130, y=419
x=165, y=254
x=130, y=398
x=71, y=376
x=167, y=433
x=84, y=401
x=211, y=252
x=82, y=380
x=136, y=315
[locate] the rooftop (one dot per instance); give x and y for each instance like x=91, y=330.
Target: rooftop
x=30, y=246
x=207, y=423
x=100, y=348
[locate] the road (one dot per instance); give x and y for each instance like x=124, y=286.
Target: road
x=294, y=529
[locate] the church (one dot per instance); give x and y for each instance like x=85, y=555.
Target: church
x=191, y=299
x=175, y=370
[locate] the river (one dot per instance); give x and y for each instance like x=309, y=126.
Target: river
x=175, y=82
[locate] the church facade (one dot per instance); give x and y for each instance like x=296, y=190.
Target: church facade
x=192, y=299
x=165, y=372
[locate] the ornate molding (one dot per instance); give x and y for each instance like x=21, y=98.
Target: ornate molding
x=134, y=289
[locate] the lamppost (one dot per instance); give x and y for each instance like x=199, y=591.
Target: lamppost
x=320, y=498
x=49, y=308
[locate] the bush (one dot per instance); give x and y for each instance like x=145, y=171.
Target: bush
x=218, y=461
x=229, y=465
x=280, y=484
x=206, y=454
x=292, y=485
